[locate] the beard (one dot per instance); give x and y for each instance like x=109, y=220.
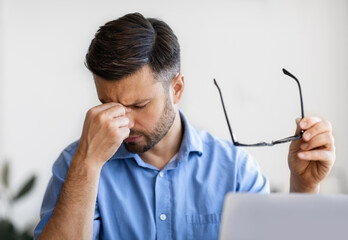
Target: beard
x=161, y=129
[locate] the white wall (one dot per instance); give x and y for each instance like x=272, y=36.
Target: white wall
x=1, y=75
x=46, y=90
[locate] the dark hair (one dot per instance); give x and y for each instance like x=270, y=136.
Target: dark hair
x=123, y=46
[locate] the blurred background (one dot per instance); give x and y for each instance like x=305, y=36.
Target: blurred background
x=45, y=89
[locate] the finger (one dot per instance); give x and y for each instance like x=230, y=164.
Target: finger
x=121, y=122
x=298, y=128
x=316, y=155
x=323, y=140
x=101, y=108
x=308, y=122
x=317, y=129
x=114, y=111
x=105, y=106
x=124, y=132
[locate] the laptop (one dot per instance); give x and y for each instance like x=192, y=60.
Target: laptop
x=284, y=217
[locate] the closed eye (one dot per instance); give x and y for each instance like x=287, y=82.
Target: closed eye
x=140, y=107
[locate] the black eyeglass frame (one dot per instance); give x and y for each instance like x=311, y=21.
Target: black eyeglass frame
x=261, y=144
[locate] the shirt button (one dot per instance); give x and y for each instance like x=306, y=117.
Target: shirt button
x=161, y=174
x=163, y=217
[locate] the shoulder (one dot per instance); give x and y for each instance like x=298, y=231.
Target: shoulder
x=68, y=153
x=234, y=164
x=221, y=147
x=61, y=165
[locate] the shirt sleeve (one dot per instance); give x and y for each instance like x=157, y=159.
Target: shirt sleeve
x=59, y=170
x=249, y=175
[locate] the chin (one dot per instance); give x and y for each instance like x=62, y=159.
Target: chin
x=136, y=148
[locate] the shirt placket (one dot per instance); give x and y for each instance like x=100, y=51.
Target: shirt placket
x=162, y=206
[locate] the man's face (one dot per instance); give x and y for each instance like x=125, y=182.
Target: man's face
x=152, y=109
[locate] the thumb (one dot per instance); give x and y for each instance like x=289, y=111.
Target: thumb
x=298, y=128
x=294, y=146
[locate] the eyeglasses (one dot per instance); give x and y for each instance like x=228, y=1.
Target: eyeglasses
x=260, y=144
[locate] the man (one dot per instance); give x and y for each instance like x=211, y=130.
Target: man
x=140, y=170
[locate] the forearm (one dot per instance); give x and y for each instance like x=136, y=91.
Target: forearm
x=297, y=186
x=73, y=215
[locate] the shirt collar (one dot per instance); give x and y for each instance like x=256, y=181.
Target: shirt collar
x=191, y=142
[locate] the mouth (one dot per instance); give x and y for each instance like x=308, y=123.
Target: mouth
x=133, y=139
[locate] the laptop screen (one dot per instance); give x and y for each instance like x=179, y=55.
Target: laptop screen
x=284, y=216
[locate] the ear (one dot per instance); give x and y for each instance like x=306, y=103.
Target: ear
x=177, y=87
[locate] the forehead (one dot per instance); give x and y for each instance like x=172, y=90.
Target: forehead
x=136, y=87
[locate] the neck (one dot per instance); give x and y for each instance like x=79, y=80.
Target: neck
x=160, y=154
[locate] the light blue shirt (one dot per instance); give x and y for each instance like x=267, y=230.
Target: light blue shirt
x=182, y=201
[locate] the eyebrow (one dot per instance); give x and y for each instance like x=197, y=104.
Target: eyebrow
x=129, y=105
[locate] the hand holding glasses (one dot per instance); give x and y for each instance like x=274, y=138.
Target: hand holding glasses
x=260, y=144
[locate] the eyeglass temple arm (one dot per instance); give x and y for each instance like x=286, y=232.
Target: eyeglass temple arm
x=286, y=72
x=223, y=106
x=262, y=143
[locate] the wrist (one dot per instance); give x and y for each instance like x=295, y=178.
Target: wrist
x=297, y=185
x=85, y=164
